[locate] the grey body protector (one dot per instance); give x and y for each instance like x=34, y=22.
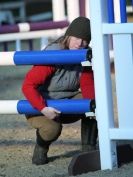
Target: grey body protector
x=64, y=83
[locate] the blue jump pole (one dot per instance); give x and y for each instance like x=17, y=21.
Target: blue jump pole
x=50, y=57
x=66, y=106
x=110, y=11
x=123, y=11
x=47, y=57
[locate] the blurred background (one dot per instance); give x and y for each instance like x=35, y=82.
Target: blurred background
x=14, y=13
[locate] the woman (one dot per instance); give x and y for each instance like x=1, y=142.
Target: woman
x=58, y=82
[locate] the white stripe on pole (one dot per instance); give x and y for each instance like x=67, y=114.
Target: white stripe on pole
x=6, y=58
x=24, y=27
x=8, y=107
x=72, y=9
x=117, y=11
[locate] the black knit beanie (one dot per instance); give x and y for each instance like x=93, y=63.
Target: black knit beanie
x=80, y=28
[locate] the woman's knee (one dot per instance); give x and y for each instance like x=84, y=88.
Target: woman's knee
x=48, y=129
x=51, y=130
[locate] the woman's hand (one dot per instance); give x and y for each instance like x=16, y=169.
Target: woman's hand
x=50, y=112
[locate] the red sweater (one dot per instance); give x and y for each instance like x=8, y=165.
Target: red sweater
x=39, y=74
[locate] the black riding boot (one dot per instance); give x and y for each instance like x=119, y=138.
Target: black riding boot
x=89, y=133
x=40, y=155
x=40, y=151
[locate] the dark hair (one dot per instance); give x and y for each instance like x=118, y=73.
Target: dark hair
x=62, y=41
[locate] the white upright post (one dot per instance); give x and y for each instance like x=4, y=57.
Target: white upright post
x=72, y=9
x=123, y=53
x=103, y=87
x=22, y=12
x=58, y=9
x=87, y=9
x=18, y=45
x=43, y=42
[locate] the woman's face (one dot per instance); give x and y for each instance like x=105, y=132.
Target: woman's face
x=76, y=43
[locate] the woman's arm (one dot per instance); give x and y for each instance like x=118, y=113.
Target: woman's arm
x=87, y=84
x=36, y=76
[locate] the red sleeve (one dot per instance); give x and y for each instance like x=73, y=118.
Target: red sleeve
x=36, y=76
x=87, y=84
